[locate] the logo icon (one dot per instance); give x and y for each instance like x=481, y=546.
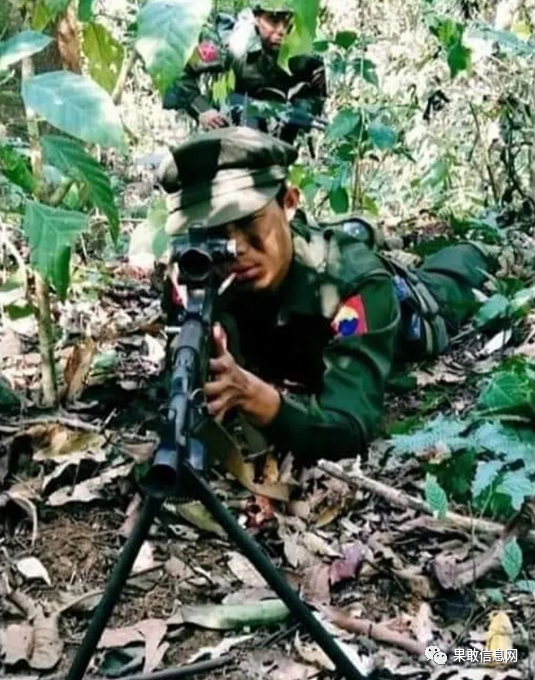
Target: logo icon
x=435, y=655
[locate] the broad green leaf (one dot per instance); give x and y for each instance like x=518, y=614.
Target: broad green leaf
x=459, y=59
x=76, y=105
x=486, y=473
x=366, y=69
x=235, y=616
x=18, y=310
x=440, y=430
x=382, y=136
x=344, y=123
x=527, y=586
x=20, y=46
x=518, y=486
x=51, y=233
x=510, y=392
x=41, y=16
x=494, y=308
x=69, y=157
x=512, y=559
x=85, y=10
x=104, y=53
x=448, y=32
x=57, y=6
x=300, y=40
x=345, y=39
x=339, y=199
x=16, y=168
x=167, y=33
x=508, y=443
x=436, y=496
x=523, y=298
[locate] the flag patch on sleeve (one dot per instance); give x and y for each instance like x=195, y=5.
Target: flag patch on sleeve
x=350, y=320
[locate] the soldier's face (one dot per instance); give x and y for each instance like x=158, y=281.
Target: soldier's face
x=264, y=245
x=273, y=27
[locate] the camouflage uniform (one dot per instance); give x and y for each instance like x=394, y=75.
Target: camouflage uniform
x=256, y=72
x=329, y=337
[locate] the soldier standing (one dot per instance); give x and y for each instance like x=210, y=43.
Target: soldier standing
x=251, y=50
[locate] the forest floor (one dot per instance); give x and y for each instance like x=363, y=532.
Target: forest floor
x=386, y=575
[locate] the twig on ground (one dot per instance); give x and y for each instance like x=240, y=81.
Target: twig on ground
x=376, y=631
x=74, y=423
x=403, y=500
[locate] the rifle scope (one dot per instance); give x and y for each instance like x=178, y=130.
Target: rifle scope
x=197, y=252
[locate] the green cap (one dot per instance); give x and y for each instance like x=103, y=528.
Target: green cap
x=222, y=176
x=275, y=6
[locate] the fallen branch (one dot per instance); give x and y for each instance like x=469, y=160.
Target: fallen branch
x=403, y=500
x=73, y=423
x=376, y=631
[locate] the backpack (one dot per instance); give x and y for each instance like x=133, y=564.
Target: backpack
x=423, y=329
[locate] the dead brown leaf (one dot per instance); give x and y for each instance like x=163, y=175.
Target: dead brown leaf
x=16, y=643
x=154, y=631
x=422, y=624
x=439, y=372
x=90, y=489
x=47, y=643
x=77, y=369
x=244, y=571
x=346, y=567
x=315, y=587
x=292, y=670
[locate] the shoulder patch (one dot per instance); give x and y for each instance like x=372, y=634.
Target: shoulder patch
x=350, y=319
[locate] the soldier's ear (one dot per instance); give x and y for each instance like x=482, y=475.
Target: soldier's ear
x=292, y=200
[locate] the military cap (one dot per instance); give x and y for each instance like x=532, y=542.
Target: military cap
x=222, y=176
x=275, y=6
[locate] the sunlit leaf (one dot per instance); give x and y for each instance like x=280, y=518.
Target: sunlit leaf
x=486, y=473
x=76, y=105
x=518, y=486
x=167, y=34
x=300, y=40
x=440, y=430
x=20, y=46
x=104, y=53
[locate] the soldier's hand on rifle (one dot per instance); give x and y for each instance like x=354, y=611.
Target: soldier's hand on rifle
x=232, y=386
x=212, y=119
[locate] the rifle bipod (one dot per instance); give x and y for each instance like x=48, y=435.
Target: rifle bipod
x=200, y=489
